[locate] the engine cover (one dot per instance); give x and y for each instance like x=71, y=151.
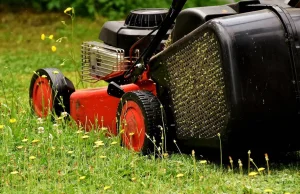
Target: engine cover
x=123, y=34
x=145, y=18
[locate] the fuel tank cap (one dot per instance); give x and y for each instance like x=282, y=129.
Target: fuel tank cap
x=146, y=18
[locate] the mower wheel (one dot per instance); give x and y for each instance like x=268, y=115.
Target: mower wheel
x=50, y=91
x=140, y=121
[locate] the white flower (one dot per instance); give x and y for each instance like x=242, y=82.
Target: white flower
x=55, y=126
x=64, y=114
x=50, y=136
x=39, y=121
x=41, y=130
x=59, y=132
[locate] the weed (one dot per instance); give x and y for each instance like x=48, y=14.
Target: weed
x=249, y=153
x=267, y=161
x=221, y=154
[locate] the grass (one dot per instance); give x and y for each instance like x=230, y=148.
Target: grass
x=37, y=156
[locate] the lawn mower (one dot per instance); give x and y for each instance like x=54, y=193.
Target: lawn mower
x=226, y=73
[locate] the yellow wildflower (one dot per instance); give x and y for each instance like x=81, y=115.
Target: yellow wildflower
x=253, y=173
x=106, y=187
x=102, y=157
x=51, y=37
x=113, y=143
x=268, y=190
x=104, y=128
x=14, y=172
x=1, y=126
x=43, y=36
x=82, y=177
x=133, y=179
x=203, y=161
x=98, y=142
x=53, y=48
x=35, y=141
x=19, y=147
x=261, y=169
x=32, y=157
x=179, y=175
x=68, y=9
x=85, y=137
x=24, y=140
x=12, y=120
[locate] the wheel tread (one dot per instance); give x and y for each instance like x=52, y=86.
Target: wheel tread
x=150, y=105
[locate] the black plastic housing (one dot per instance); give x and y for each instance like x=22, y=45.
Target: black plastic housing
x=259, y=54
x=197, y=16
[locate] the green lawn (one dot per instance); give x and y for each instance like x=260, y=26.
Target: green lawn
x=41, y=157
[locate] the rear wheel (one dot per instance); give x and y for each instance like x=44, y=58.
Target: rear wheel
x=50, y=92
x=138, y=114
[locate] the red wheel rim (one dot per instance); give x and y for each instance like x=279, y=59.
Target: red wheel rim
x=42, y=97
x=132, y=122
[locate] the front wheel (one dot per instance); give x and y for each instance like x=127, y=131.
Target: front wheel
x=141, y=122
x=50, y=91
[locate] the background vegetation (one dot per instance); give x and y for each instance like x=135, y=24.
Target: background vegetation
x=109, y=8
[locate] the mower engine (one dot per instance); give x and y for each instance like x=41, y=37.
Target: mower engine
x=122, y=44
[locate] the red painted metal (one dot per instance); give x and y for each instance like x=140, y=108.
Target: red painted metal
x=147, y=85
x=132, y=122
x=94, y=108
x=42, y=97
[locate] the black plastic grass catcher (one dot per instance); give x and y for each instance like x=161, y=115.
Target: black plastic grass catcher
x=236, y=75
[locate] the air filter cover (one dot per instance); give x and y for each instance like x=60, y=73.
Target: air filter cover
x=146, y=18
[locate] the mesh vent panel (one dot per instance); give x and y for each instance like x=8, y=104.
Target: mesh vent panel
x=197, y=88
